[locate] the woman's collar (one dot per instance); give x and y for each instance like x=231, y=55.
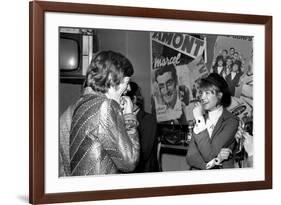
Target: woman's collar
x=215, y=113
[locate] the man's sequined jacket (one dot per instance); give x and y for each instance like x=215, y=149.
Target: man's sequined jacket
x=102, y=140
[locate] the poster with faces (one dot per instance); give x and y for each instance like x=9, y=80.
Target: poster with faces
x=178, y=62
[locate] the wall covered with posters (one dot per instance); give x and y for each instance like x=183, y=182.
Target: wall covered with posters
x=168, y=67
x=179, y=61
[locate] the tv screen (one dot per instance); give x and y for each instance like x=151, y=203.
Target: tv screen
x=69, y=54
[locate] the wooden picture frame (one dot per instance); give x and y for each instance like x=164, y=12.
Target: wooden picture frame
x=37, y=11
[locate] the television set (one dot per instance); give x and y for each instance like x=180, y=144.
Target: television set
x=75, y=53
x=70, y=58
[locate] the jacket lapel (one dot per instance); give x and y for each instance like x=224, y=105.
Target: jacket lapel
x=218, y=126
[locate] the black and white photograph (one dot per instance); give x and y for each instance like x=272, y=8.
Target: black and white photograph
x=142, y=102
x=125, y=102
x=151, y=101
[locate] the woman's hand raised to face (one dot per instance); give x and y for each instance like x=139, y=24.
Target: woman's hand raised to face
x=198, y=110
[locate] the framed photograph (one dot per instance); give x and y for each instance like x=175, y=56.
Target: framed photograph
x=204, y=83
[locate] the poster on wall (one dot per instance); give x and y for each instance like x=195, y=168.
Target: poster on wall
x=178, y=62
x=237, y=52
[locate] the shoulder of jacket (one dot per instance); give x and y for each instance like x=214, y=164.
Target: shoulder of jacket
x=229, y=116
x=109, y=104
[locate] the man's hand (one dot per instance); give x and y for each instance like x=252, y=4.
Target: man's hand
x=248, y=143
x=126, y=104
x=240, y=132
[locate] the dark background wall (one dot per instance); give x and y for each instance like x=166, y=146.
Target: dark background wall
x=133, y=44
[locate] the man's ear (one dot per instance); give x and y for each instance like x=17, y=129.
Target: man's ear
x=135, y=100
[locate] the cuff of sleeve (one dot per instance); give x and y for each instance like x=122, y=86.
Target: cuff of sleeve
x=130, y=116
x=200, y=125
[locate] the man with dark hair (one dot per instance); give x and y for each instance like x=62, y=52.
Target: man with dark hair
x=147, y=132
x=172, y=95
x=231, y=51
x=233, y=79
x=167, y=80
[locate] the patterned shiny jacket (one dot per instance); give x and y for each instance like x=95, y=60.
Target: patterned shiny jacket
x=102, y=140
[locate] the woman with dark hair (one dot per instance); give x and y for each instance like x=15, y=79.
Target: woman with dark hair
x=103, y=137
x=215, y=127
